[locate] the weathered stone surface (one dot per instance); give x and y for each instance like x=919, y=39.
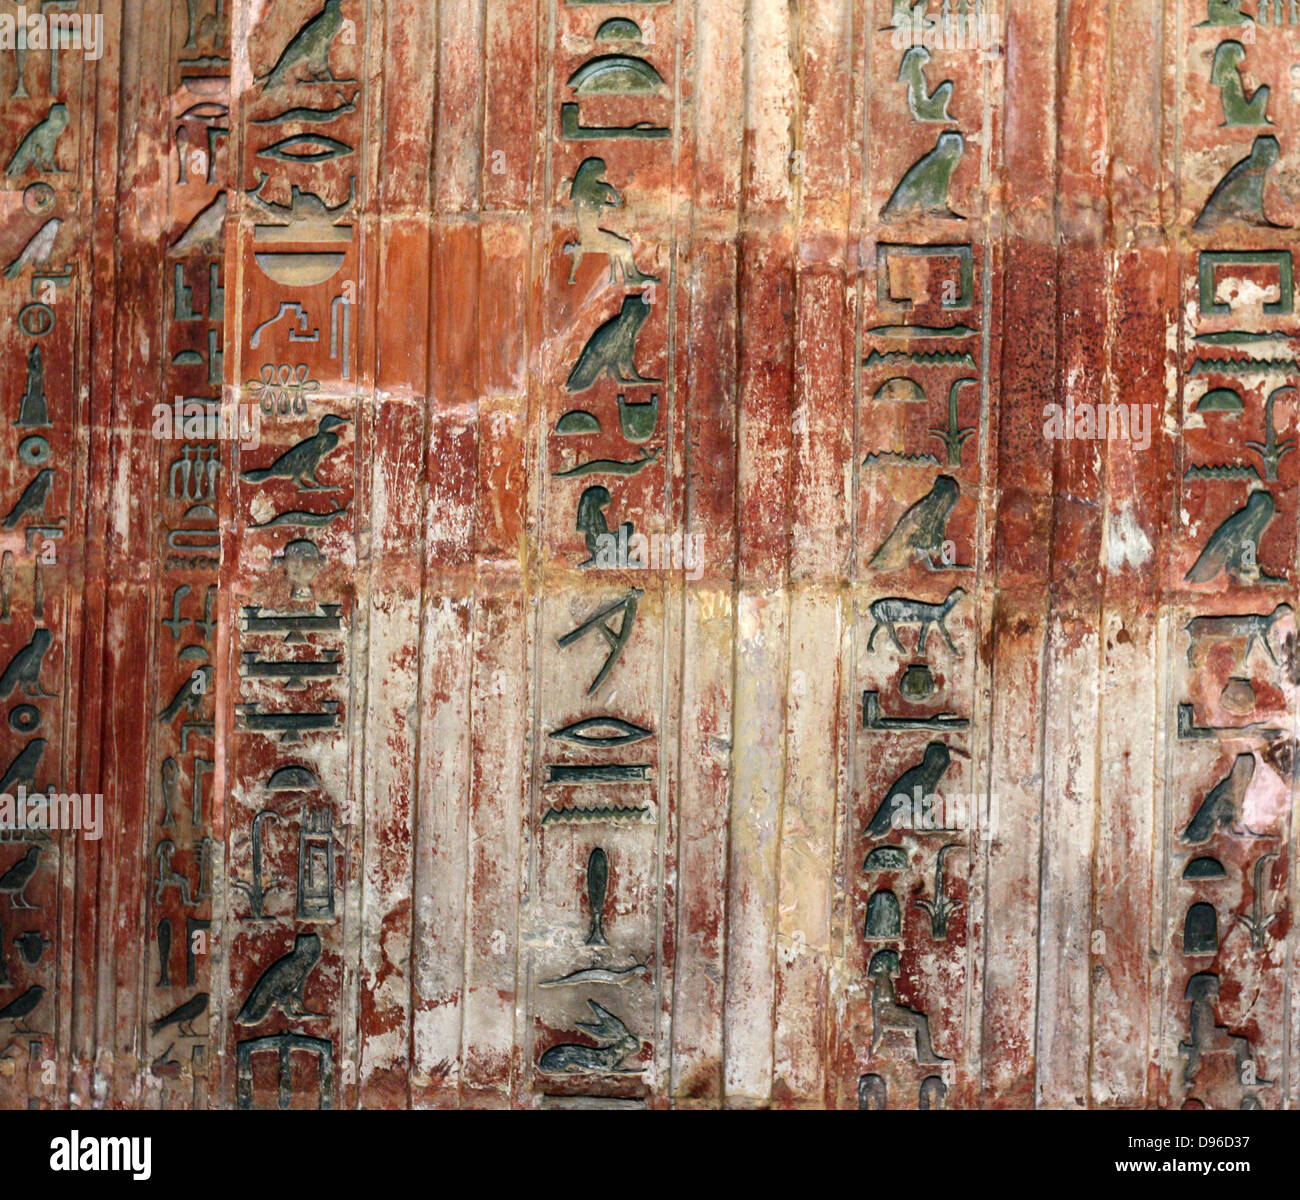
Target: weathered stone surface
x=657, y=619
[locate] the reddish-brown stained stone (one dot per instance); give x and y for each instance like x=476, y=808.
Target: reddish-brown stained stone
x=468, y=833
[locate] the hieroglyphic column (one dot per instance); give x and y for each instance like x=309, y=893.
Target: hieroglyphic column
x=1224, y=821
x=47, y=83
x=919, y=823
x=193, y=438
x=610, y=556
x=287, y=699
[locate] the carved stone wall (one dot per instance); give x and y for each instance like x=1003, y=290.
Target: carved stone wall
x=659, y=553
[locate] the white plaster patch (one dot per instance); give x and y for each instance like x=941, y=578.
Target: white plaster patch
x=1127, y=544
